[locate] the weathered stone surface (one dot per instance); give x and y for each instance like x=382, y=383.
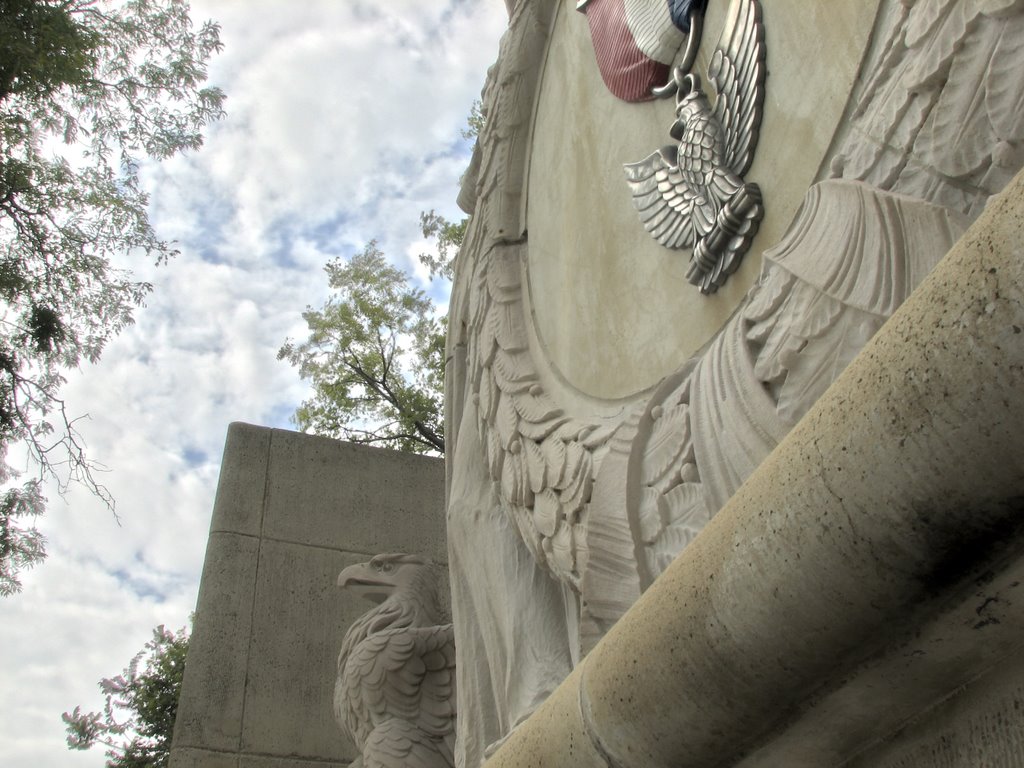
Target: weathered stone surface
x=984, y=725
x=298, y=620
x=263, y=761
x=967, y=639
x=211, y=708
x=339, y=488
x=186, y=757
x=238, y=506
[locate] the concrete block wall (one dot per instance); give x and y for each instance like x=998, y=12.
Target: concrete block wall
x=291, y=512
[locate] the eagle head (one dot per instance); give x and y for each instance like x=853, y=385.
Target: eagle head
x=386, y=575
x=692, y=106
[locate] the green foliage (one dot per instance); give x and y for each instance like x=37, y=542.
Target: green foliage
x=375, y=358
x=41, y=49
x=89, y=89
x=137, y=721
x=20, y=547
x=475, y=121
x=449, y=236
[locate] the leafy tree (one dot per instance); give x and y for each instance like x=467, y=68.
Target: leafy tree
x=375, y=357
x=375, y=352
x=137, y=721
x=89, y=89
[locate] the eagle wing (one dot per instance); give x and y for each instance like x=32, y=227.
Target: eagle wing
x=406, y=673
x=662, y=197
x=737, y=70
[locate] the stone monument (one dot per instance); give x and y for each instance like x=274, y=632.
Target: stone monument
x=600, y=411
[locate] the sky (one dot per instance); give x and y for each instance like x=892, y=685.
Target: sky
x=343, y=124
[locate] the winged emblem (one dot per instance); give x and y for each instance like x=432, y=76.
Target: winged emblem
x=693, y=194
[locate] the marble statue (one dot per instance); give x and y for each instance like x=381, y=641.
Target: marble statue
x=563, y=508
x=395, y=691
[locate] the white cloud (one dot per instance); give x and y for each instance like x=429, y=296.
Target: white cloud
x=326, y=117
x=342, y=126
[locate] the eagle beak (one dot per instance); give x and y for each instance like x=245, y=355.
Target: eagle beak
x=365, y=582
x=349, y=574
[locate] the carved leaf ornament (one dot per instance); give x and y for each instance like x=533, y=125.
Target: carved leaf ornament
x=540, y=456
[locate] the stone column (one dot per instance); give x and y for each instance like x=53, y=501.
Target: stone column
x=904, y=480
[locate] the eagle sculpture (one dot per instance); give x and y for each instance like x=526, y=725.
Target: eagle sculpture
x=395, y=691
x=692, y=194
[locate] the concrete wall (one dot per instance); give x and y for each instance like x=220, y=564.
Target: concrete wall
x=291, y=512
